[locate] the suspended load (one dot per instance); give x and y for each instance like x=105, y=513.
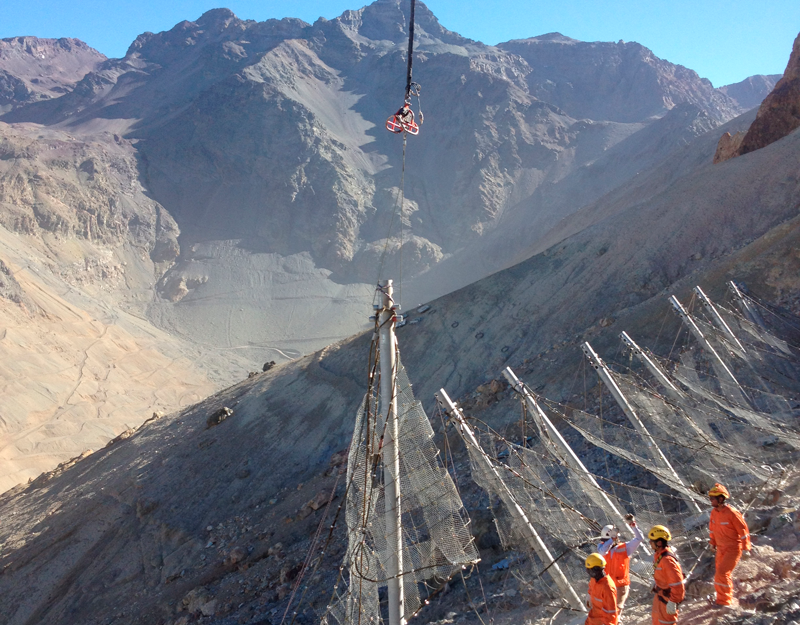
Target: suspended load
x=403, y=120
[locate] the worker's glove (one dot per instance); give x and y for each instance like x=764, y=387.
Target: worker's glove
x=746, y=554
x=672, y=607
x=712, y=547
x=588, y=601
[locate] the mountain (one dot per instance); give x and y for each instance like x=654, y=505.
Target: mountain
x=266, y=137
x=34, y=69
x=778, y=115
x=750, y=92
x=230, y=183
x=193, y=518
x=623, y=82
x=212, y=99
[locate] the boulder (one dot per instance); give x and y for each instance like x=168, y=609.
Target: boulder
x=728, y=147
x=218, y=416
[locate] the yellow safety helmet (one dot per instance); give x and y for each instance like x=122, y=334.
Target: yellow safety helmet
x=594, y=560
x=717, y=490
x=660, y=531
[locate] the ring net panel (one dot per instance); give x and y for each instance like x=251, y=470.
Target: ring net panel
x=436, y=539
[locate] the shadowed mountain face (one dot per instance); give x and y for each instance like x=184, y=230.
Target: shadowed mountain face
x=270, y=133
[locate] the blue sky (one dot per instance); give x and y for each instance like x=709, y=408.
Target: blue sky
x=724, y=41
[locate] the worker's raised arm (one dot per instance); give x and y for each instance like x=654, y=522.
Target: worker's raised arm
x=638, y=537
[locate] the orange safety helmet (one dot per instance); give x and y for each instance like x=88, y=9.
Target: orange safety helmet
x=719, y=490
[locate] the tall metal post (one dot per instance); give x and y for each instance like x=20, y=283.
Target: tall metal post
x=391, y=455
x=748, y=309
x=718, y=320
x=653, y=449
x=513, y=506
x=653, y=367
x=597, y=494
x=657, y=371
x=701, y=338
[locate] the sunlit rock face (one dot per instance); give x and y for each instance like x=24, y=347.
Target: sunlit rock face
x=778, y=115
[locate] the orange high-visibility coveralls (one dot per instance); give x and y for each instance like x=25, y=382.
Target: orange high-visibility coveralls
x=730, y=535
x=668, y=578
x=603, y=594
x=618, y=558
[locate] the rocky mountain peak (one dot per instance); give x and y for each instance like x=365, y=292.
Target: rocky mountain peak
x=549, y=38
x=216, y=18
x=751, y=91
x=41, y=48
x=34, y=69
x=387, y=20
x=213, y=26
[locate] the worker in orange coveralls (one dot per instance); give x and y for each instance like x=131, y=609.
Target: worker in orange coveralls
x=668, y=576
x=729, y=537
x=618, y=556
x=602, y=602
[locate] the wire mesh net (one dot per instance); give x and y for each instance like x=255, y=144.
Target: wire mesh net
x=737, y=377
x=730, y=416
x=726, y=422
x=566, y=509
x=436, y=541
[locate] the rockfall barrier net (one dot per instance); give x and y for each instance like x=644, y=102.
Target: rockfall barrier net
x=436, y=539
x=733, y=420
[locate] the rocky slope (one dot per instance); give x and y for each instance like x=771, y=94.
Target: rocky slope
x=82, y=247
x=34, y=69
x=196, y=518
x=231, y=182
x=779, y=114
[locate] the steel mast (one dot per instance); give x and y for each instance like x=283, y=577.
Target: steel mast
x=391, y=457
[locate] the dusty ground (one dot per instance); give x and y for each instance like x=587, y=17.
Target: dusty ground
x=75, y=377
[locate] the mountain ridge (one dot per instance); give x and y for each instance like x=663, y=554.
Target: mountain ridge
x=257, y=164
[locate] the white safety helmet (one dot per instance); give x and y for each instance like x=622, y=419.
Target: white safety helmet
x=609, y=531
